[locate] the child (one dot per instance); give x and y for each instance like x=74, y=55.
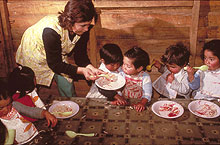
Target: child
x=138, y=82
x=11, y=118
x=22, y=88
x=173, y=82
x=111, y=59
x=3, y=133
x=207, y=83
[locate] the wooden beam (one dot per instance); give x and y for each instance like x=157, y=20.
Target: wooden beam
x=8, y=49
x=194, y=30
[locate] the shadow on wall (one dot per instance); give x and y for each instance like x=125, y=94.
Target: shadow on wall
x=153, y=36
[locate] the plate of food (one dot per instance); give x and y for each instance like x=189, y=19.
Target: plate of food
x=64, y=109
x=167, y=109
x=110, y=81
x=204, y=109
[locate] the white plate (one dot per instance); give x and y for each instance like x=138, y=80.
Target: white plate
x=167, y=109
x=105, y=84
x=61, y=106
x=204, y=109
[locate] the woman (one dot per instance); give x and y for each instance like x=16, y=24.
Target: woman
x=46, y=45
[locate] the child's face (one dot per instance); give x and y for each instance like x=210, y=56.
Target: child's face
x=211, y=60
x=5, y=107
x=128, y=67
x=112, y=66
x=173, y=68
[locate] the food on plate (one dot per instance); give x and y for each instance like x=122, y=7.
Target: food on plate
x=62, y=110
x=206, y=110
x=110, y=82
x=169, y=110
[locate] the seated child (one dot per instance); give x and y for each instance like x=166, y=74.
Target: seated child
x=22, y=88
x=173, y=82
x=10, y=116
x=207, y=83
x=111, y=59
x=138, y=82
x=3, y=132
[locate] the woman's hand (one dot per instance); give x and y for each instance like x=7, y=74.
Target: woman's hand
x=51, y=119
x=89, y=72
x=95, y=71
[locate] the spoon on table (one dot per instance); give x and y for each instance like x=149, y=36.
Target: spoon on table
x=149, y=67
x=73, y=134
x=202, y=68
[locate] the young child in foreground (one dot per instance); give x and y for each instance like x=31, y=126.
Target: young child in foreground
x=10, y=116
x=207, y=83
x=173, y=83
x=138, y=82
x=22, y=85
x=111, y=58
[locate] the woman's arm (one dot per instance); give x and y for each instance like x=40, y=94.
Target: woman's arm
x=52, y=45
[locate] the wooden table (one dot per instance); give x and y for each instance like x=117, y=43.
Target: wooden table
x=122, y=125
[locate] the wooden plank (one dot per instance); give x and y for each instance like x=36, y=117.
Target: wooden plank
x=194, y=30
x=140, y=4
x=7, y=38
x=118, y=19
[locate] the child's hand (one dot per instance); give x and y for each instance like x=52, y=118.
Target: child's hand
x=190, y=72
x=139, y=107
x=120, y=100
x=157, y=64
x=51, y=119
x=170, y=78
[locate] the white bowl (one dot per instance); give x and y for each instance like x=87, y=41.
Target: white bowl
x=167, y=109
x=204, y=109
x=58, y=107
x=105, y=84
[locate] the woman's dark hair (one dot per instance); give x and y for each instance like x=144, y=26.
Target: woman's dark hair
x=111, y=53
x=77, y=11
x=176, y=54
x=21, y=79
x=213, y=46
x=140, y=57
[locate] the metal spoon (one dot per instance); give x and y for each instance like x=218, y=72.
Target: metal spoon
x=202, y=68
x=73, y=134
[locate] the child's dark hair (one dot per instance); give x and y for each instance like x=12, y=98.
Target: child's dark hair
x=111, y=53
x=21, y=79
x=213, y=46
x=4, y=94
x=176, y=54
x=139, y=56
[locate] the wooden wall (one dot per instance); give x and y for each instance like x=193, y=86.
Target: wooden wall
x=152, y=25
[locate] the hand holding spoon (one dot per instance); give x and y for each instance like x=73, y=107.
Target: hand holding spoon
x=149, y=67
x=202, y=68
